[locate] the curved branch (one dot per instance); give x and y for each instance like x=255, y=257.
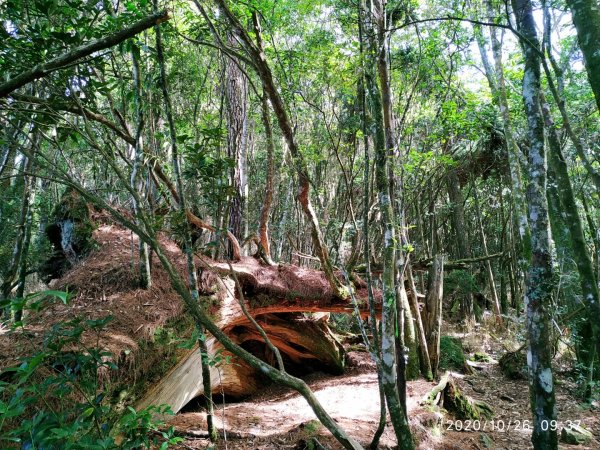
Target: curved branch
x=44, y=69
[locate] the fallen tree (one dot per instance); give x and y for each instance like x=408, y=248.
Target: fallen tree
x=276, y=296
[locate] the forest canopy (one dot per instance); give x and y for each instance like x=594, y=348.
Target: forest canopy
x=264, y=177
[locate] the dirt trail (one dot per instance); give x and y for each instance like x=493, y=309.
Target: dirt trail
x=281, y=419
x=278, y=418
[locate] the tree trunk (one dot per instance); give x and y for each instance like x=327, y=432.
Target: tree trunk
x=517, y=191
x=433, y=312
x=585, y=267
x=265, y=212
x=586, y=18
x=10, y=278
x=488, y=264
x=373, y=20
x=540, y=281
x=459, y=228
x=236, y=105
x=581, y=146
x=136, y=184
x=424, y=361
x=188, y=249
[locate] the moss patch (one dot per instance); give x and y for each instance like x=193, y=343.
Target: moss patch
x=514, y=365
x=452, y=356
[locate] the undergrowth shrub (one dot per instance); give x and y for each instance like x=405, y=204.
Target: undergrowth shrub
x=57, y=398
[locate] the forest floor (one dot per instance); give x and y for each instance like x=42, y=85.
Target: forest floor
x=277, y=418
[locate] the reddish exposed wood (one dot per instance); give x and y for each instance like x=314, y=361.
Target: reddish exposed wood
x=288, y=288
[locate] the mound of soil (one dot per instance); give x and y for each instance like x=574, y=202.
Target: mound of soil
x=105, y=284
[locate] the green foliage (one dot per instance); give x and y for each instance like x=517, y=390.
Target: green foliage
x=55, y=398
x=481, y=357
x=452, y=356
x=460, y=283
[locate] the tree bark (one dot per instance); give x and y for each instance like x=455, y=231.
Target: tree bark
x=265, y=212
x=586, y=18
x=144, y=254
x=540, y=281
x=236, y=105
x=585, y=267
x=372, y=18
x=433, y=312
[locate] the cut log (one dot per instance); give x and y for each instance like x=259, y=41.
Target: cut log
x=183, y=382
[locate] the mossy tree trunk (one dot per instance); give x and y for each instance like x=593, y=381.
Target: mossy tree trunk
x=144, y=254
x=540, y=280
x=586, y=18
x=373, y=19
x=589, y=289
x=433, y=311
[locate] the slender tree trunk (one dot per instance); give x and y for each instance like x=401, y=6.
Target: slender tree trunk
x=376, y=349
x=540, y=281
x=585, y=267
x=459, y=228
x=145, y=279
x=394, y=192
x=488, y=264
x=580, y=144
x=371, y=19
x=424, y=361
x=25, y=234
x=371, y=30
x=433, y=311
x=586, y=18
x=410, y=338
x=594, y=234
x=265, y=212
x=10, y=276
x=520, y=205
x=193, y=294
x=236, y=105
